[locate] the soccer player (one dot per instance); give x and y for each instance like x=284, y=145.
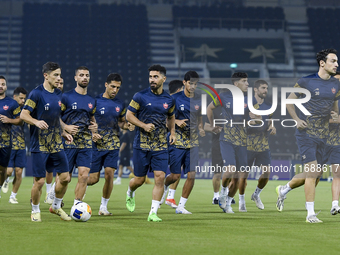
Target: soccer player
x=184, y=152
x=9, y=115
x=78, y=110
x=258, y=153
x=49, y=175
x=18, y=153
x=233, y=141
x=148, y=111
x=110, y=116
x=175, y=86
x=312, y=131
x=42, y=112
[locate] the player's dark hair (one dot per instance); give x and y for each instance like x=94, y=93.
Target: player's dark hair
x=19, y=90
x=238, y=76
x=159, y=68
x=191, y=74
x=258, y=83
x=174, y=85
x=114, y=77
x=81, y=68
x=322, y=55
x=50, y=67
x=3, y=77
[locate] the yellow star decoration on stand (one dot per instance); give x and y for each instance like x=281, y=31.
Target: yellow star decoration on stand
x=205, y=50
x=260, y=51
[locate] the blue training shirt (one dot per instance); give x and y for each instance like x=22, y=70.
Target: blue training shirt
x=11, y=109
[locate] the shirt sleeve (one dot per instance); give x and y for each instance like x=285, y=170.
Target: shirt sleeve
x=63, y=103
x=172, y=108
x=300, y=84
x=134, y=105
x=32, y=101
x=16, y=109
x=123, y=112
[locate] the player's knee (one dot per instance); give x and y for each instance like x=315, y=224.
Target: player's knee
x=64, y=178
x=18, y=173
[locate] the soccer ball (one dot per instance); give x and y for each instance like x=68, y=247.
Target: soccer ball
x=81, y=212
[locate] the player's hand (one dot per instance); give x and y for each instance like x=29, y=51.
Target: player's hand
x=334, y=116
x=149, y=127
x=172, y=138
x=130, y=126
x=202, y=132
x=41, y=124
x=67, y=137
x=301, y=124
x=96, y=137
x=254, y=116
x=181, y=123
x=272, y=130
x=71, y=129
x=4, y=119
x=216, y=130
x=93, y=127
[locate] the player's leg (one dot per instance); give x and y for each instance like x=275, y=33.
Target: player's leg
x=49, y=180
x=118, y=181
x=176, y=159
x=216, y=180
x=16, y=185
x=7, y=157
x=335, y=189
x=110, y=165
x=141, y=162
x=190, y=162
x=158, y=162
x=83, y=162
x=131, y=175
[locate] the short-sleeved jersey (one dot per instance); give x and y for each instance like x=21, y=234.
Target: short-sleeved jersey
x=44, y=105
x=18, y=137
x=11, y=109
x=187, y=108
x=77, y=110
x=125, y=153
x=152, y=108
x=323, y=95
x=257, y=135
x=334, y=133
x=234, y=133
x=108, y=112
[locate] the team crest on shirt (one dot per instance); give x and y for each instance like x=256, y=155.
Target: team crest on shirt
x=245, y=105
x=165, y=105
x=59, y=103
x=5, y=107
x=90, y=105
x=333, y=90
x=117, y=108
x=197, y=107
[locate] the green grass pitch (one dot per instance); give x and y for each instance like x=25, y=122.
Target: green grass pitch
x=207, y=231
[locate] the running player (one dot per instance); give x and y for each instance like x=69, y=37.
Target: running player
x=233, y=141
x=110, y=116
x=258, y=153
x=42, y=112
x=184, y=152
x=78, y=110
x=312, y=131
x=9, y=115
x=148, y=110
x=18, y=153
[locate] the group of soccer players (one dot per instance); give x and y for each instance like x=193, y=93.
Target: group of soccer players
x=74, y=129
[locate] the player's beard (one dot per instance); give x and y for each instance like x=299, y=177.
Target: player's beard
x=82, y=85
x=156, y=87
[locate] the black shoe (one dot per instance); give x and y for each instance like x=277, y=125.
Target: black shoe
x=215, y=201
x=233, y=201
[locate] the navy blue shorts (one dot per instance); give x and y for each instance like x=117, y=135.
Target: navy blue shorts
x=153, y=160
x=42, y=162
x=311, y=148
x=188, y=158
x=234, y=155
x=331, y=154
x=104, y=159
x=79, y=157
x=5, y=155
x=261, y=158
x=18, y=158
x=124, y=161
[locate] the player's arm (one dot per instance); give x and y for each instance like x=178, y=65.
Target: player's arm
x=171, y=126
x=122, y=147
x=123, y=124
x=301, y=124
x=200, y=126
x=71, y=129
x=131, y=117
x=25, y=115
x=335, y=113
x=210, y=116
x=16, y=121
x=271, y=128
